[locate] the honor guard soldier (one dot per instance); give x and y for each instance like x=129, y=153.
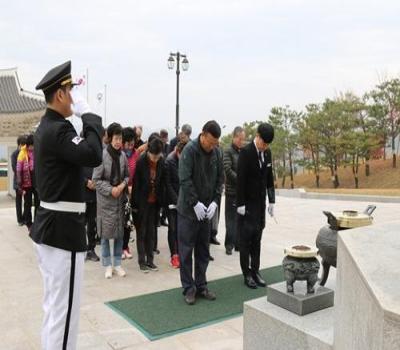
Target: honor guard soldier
x=254, y=181
x=58, y=231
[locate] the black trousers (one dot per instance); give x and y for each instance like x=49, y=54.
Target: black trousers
x=29, y=193
x=231, y=236
x=172, y=231
x=18, y=206
x=146, y=233
x=194, y=236
x=250, y=244
x=127, y=233
x=91, y=213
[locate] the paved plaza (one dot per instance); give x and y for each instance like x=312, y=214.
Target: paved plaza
x=298, y=221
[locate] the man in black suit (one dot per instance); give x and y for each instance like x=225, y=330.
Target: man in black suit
x=254, y=181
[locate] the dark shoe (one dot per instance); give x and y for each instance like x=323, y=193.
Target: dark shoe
x=206, y=294
x=249, y=282
x=211, y=258
x=237, y=249
x=92, y=256
x=152, y=267
x=259, y=281
x=156, y=251
x=144, y=268
x=228, y=251
x=214, y=240
x=190, y=297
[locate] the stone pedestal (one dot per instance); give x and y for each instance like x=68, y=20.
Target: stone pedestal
x=300, y=302
x=270, y=327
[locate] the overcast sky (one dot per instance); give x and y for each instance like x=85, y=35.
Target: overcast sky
x=245, y=56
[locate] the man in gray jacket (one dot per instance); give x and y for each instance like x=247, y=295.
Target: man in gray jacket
x=200, y=179
x=231, y=156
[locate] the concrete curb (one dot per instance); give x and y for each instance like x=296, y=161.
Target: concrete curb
x=301, y=193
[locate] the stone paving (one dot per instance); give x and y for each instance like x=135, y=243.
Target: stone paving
x=101, y=328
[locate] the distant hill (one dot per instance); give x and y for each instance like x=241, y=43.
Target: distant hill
x=382, y=176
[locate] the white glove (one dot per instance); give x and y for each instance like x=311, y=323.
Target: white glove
x=200, y=210
x=271, y=209
x=80, y=105
x=172, y=206
x=241, y=210
x=211, y=210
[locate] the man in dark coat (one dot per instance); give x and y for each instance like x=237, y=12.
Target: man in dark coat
x=231, y=157
x=59, y=227
x=200, y=178
x=183, y=136
x=254, y=181
x=91, y=213
x=172, y=193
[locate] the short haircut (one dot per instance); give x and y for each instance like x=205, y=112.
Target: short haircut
x=186, y=129
x=155, y=146
x=29, y=140
x=237, y=131
x=114, y=129
x=152, y=136
x=180, y=146
x=21, y=140
x=163, y=133
x=49, y=96
x=128, y=135
x=213, y=128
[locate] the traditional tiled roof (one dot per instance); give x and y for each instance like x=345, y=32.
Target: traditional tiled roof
x=14, y=99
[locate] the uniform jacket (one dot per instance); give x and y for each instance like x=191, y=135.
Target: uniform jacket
x=231, y=157
x=253, y=183
x=110, y=210
x=60, y=156
x=200, y=177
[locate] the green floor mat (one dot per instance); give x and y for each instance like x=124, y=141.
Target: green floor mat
x=165, y=313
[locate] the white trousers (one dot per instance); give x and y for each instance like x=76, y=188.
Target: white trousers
x=62, y=273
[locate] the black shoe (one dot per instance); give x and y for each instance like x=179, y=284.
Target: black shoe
x=249, y=282
x=190, y=297
x=152, y=267
x=214, y=240
x=92, y=256
x=156, y=251
x=211, y=258
x=259, y=281
x=237, y=249
x=144, y=268
x=206, y=294
x=228, y=251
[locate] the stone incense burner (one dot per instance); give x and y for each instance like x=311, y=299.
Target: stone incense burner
x=327, y=237
x=301, y=264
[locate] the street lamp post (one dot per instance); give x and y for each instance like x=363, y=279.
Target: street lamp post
x=185, y=67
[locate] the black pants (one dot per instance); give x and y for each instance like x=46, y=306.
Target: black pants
x=250, y=244
x=29, y=193
x=194, y=236
x=231, y=236
x=127, y=233
x=18, y=206
x=91, y=213
x=173, y=231
x=146, y=233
